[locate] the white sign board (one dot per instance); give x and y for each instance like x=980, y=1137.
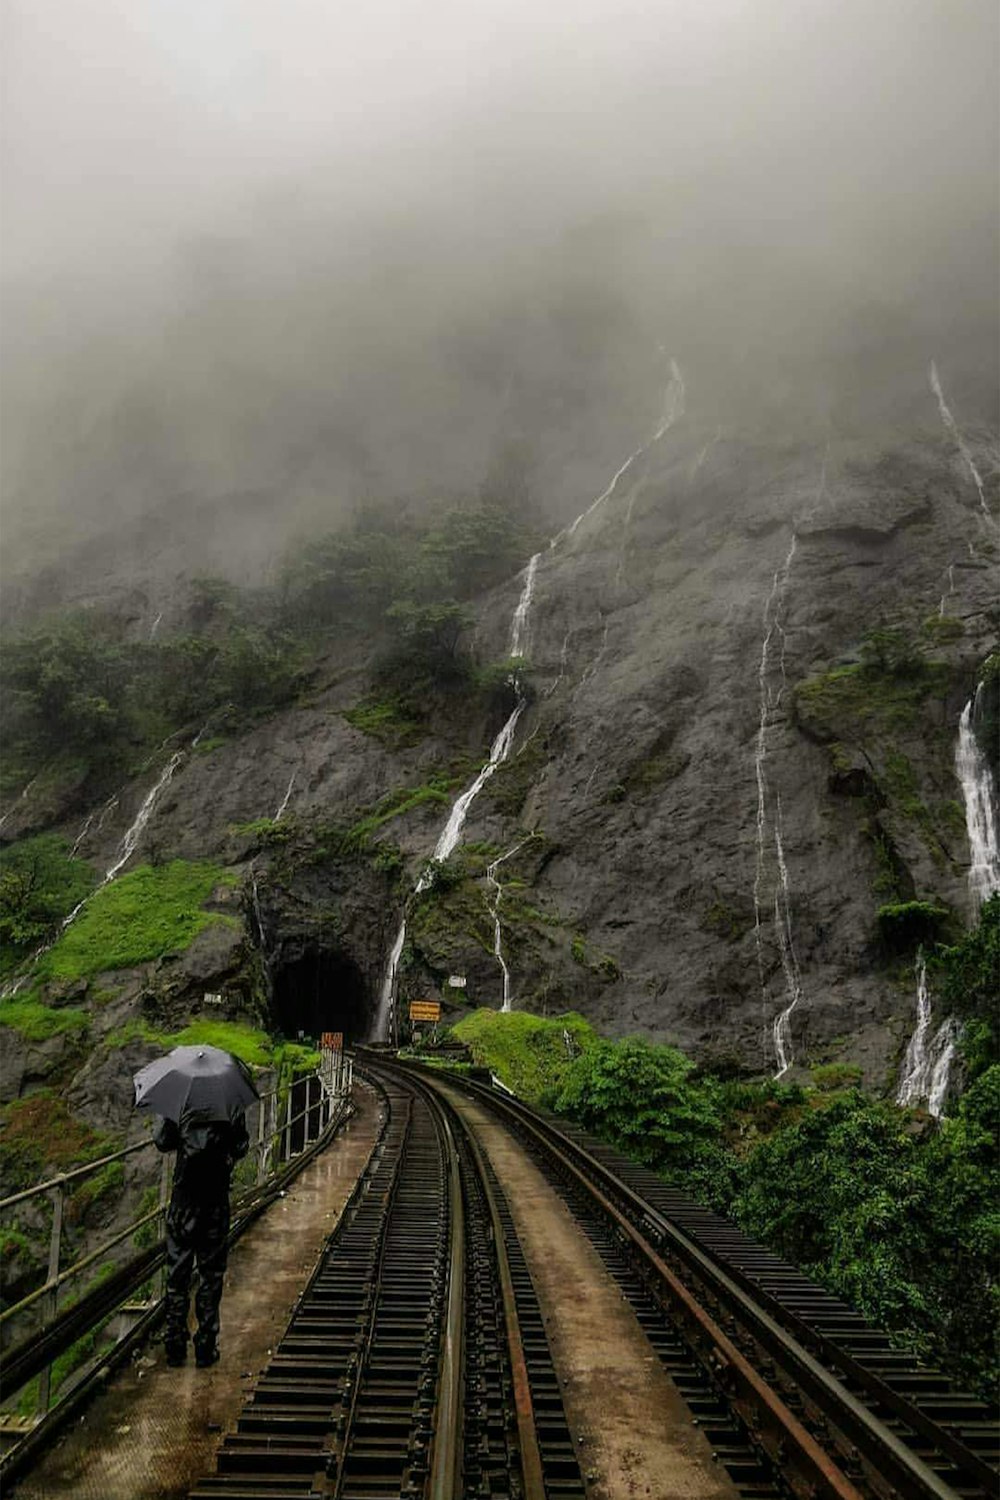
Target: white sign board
x=457, y=981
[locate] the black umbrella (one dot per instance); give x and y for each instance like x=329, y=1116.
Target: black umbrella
x=195, y=1080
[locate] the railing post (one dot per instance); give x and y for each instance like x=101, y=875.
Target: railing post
x=307, y=1114
x=288, y=1121
x=166, y=1162
x=261, y=1167
x=52, y=1300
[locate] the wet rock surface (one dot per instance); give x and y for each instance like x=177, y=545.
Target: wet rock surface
x=717, y=801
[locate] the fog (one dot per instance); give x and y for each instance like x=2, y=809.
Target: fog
x=320, y=254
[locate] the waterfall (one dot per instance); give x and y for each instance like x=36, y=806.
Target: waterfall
x=781, y=1032
x=123, y=854
x=132, y=835
x=953, y=428
x=915, y=1073
x=974, y=773
x=770, y=698
x=284, y=801
x=491, y=876
x=926, y=1071
x=950, y=590
x=452, y=831
x=673, y=407
x=155, y=626
x=943, y=1050
x=23, y=797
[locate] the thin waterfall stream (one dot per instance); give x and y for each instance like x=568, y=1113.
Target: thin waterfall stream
x=979, y=796
x=384, y=1024
x=771, y=683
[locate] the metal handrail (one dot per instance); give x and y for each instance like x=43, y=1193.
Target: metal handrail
x=64, y=1177
x=269, y=1136
x=101, y=1161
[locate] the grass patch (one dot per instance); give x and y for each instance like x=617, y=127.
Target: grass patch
x=530, y=1055
x=40, y=1137
x=386, y=720
x=248, y=1043
x=139, y=917
x=36, y=1022
x=864, y=699
x=396, y=805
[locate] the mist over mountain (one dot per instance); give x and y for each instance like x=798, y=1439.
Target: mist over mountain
x=320, y=260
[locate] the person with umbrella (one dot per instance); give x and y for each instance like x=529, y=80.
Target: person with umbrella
x=200, y=1094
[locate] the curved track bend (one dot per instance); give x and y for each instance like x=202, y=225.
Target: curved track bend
x=416, y=1363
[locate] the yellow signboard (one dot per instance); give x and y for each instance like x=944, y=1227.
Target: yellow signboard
x=425, y=1010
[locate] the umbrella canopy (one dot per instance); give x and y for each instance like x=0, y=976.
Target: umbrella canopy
x=195, y=1080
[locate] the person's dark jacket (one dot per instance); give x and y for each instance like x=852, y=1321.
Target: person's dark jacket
x=206, y=1153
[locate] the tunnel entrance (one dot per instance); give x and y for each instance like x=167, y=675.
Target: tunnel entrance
x=320, y=991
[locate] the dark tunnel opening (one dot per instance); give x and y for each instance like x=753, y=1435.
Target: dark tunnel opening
x=321, y=991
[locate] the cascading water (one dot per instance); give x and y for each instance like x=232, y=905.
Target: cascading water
x=123, y=854
x=950, y=590
x=452, y=831
x=926, y=1071
x=673, y=407
x=132, y=835
x=915, y=1072
x=780, y=902
x=973, y=771
x=943, y=1050
x=285, y=799
x=22, y=798
x=491, y=876
x=955, y=430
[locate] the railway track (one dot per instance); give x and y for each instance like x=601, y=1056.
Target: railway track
x=877, y=1421
x=416, y=1362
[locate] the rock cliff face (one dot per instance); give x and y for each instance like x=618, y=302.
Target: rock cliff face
x=747, y=668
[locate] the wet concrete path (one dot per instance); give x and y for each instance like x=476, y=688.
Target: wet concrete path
x=154, y=1431
x=635, y=1436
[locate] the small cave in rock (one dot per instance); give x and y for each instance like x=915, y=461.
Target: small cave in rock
x=320, y=990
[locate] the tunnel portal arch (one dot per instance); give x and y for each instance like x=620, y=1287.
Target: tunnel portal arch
x=319, y=990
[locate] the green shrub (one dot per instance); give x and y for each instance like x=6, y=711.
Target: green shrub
x=641, y=1096
x=527, y=1053
x=387, y=720
x=99, y=1185
x=40, y=883
x=905, y=925
x=966, y=978
x=832, y=1078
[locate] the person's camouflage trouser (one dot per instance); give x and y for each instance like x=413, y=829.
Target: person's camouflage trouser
x=195, y=1232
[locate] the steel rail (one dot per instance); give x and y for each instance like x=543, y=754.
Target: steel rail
x=446, y=1450
x=910, y=1474
x=777, y=1429
x=350, y=1406
x=527, y=1433
x=533, y=1464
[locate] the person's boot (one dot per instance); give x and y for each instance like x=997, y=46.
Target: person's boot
x=206, y=1352
x=175, y=1349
